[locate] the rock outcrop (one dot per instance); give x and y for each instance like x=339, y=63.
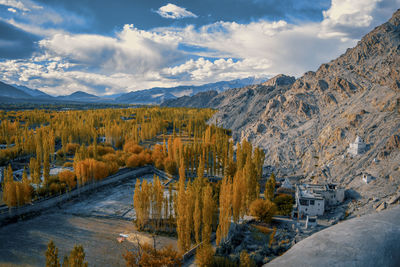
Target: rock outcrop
x=370, y=240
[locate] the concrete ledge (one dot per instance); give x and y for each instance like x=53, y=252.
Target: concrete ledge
x=370, y=240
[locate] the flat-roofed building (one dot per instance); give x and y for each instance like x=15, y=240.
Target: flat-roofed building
x=312, y=199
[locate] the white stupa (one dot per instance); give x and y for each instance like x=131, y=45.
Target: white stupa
x=358, y=147
x=286, y=184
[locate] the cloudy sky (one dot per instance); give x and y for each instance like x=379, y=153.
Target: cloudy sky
x=107, y=47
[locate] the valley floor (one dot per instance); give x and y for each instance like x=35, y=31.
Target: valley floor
x=94, y=221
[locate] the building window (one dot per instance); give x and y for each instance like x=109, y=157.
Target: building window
x=304, y=202
x=312, y=202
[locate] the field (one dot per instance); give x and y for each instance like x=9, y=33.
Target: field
x=94, y=221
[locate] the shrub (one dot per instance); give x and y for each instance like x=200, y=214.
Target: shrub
x=70, y=148
x=134, y=161
x=132, y=147
x=263, y=229
x=263, y=210
x=223, y=262
x=170, y=166
x=68, y=164
x=54, y=188
x=146, y=255
x=245, y=260
x=68, y=177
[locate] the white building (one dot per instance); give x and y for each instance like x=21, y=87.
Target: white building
x=358, y=147
x=366, y=178
x=308, y=202
x=312, y=199
x=332, y=194
x=311, y=221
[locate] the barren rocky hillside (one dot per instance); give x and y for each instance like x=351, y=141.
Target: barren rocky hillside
x=306, y=125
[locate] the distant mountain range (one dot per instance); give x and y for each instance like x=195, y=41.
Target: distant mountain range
x=32, y=92
x=157, y=95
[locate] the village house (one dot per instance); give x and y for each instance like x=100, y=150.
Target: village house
x=313, y=199
x=358, y=147
x=308, y=202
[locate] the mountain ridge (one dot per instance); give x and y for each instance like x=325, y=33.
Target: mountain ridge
x=305, y=125
x=156, y=95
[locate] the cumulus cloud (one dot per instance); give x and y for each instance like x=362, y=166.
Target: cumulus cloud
x=171, y=11
x=130, y=51
x=12, y=10
x=353, y=18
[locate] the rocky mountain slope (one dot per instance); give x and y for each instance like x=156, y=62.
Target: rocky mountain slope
x=199, y=100
x=306, y=125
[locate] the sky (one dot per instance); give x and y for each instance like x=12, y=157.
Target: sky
x=109, y=47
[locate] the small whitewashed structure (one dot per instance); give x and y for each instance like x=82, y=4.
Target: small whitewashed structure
x=312, y=199
x=358, y=147
x=311, y=221
x=286, y=184
x=366, y=178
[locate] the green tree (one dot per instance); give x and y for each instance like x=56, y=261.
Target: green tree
x=284, y=204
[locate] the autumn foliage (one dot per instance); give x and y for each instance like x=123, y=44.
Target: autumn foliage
x=146, y=255
x=263, y=210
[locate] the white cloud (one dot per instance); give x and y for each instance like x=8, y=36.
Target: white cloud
x=352, y=18
x=12, y=10
x=14, y=4
x=130, y=51
x=201, y=70
x=136, y=59
x=25, y=6
x=171, y=11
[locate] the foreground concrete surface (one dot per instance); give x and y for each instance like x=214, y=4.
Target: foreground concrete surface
x=370, y=240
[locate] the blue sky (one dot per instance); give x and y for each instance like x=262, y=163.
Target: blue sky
x=106, y=47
